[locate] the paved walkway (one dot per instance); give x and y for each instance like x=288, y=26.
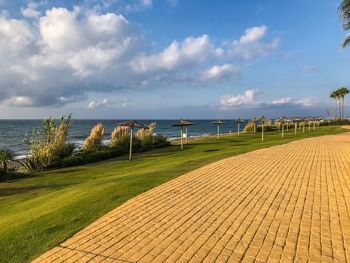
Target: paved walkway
x=288, y=203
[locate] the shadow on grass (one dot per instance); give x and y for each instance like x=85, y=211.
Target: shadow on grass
x=20, y=190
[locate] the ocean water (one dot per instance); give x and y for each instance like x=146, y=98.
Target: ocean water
x=12, y=132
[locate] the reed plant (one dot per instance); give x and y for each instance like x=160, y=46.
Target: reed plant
x=94, y=142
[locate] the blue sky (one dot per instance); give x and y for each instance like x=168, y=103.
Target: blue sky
x=170, y=59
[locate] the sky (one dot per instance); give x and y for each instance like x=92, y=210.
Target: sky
x=169, y=59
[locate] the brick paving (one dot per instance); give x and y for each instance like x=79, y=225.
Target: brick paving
x=287, y=203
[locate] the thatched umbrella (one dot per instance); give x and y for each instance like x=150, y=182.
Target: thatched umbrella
x=254, y=124
x=308, y=120
x=319, y=121
x=263, y=120
x=282, y=121
x=296, y=120
x=218, y=123
x=132, y=124
x=303, y=121
x=239, y=121
x=182, y=123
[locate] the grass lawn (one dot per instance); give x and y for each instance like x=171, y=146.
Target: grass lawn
x=40, y=211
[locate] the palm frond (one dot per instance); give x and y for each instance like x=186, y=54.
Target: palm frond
x=346, y=42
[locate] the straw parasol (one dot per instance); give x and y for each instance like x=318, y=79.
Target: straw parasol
x=132, y=124
x=296, y=120
x=182, y=123
x=282, y=121
x=263, y=120
x=239, y=121
x=319, y=119
x=254, y=124
x=218, y=123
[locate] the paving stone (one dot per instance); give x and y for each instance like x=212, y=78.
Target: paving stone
x=287, y=203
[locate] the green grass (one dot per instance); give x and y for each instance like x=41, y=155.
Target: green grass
x=42, y=210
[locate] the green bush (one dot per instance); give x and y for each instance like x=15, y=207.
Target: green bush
x=48, y=145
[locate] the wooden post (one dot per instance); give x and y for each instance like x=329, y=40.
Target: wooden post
x=309, y=125
x=295, y=128
x=287, y=126
x=131, y=136
x=262, y=131
x=181, y=133
x=254, y=127
x=304, y=127
x=282, y=130
x=218, y=132
x=314, y=125
x=238, y=128
x=186, y=135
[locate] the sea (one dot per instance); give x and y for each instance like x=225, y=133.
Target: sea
x=13, y=132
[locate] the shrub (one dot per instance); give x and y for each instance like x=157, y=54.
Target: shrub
x=48, y=145
x=5, y=157
x=145, y=132
x=249, y=127
x=119, y=133
x=93, y=142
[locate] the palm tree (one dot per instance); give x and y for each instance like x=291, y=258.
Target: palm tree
x=344, y=9
x=5, y=157
x=333, y=95
x=343, y=91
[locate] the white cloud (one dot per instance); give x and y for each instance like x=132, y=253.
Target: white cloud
x=221, y=72
x=308, y=102
x=138, y=6
x=250, y=45
x=253, y=34
x=94, y=104
x=248, y=98
x=120, y=103
x=282, y=100
x=192, y=51
x=31, y=10
x=65, y=55
x=18, y=101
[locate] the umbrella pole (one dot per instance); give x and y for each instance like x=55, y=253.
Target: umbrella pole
x=283, y=130
x=181, y=133
x=309, y=126
x=218, y=132
x=130, y=151
x=295, y=128
x=287, y=126
x=262, y=132
x=254, y=127
x=314, y=125
x=186, y=135
x=303, y=127
x=238, y=129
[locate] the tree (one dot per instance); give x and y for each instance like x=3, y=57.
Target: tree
x=334, y=95
x=6, y=156
x=343, y=91
x=344, y=9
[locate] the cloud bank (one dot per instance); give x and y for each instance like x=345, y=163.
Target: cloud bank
x=59, y=56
